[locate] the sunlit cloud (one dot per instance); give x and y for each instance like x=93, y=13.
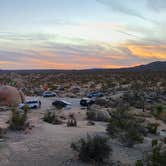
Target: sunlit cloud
x=148, y=51
x=93, y=34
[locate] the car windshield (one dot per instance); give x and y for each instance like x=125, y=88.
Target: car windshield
x=31, y=102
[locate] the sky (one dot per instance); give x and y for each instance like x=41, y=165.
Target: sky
x=81, y=34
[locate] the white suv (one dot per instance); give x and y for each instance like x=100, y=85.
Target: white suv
x=31, y=104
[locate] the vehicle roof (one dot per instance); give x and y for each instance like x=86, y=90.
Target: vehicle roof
x=32, y=100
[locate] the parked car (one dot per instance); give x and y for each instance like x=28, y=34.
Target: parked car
x=32, y=104
x=62, y=104
x=95, y=94
x=86, y=102
x=49, y=94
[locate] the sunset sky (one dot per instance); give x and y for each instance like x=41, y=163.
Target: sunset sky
x=79, y=34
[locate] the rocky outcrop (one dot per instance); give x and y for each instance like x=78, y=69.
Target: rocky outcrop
x=10, y=96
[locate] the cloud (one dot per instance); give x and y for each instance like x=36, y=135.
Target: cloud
x=61, y=52
x=119, y=6
x=157, y=5
x=148, y=51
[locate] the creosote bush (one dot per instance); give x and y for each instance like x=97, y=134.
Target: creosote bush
x=157, y=157
x=51, y=117
x=92, y=149
x=152, y=128
x=139, y=163
x=126, y=127
x=131, y=136
x=2, y=132
x=159, y=112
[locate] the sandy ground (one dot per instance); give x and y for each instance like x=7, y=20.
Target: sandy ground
x=49, y=145
x=45, y=144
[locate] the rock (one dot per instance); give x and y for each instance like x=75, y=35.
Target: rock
x=10, y=96
x=102, y=102
x=97, y=113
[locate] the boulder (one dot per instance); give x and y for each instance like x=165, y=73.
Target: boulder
x=10, y=96
x=98, y=113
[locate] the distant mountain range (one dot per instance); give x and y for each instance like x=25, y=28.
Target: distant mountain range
x=154, y=66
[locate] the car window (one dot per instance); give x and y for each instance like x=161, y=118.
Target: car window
x=31, y=102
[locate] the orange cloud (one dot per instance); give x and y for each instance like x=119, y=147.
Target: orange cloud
x=148, y=51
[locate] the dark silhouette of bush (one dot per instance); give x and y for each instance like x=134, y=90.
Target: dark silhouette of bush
x=18, y=120
x=92, y=149
x=139, y=163
x=51, y=117
x=152, y=128
x=125, y=126
x=72, y=122
x=157, y=157
x=131, y=137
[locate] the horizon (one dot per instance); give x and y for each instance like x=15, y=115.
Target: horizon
x=76, y=35
x=128, y=67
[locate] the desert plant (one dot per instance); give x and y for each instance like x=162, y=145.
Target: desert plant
x=92, y=149
x=120, y=120
x=158, y=156
x=18, y=120
x=139, y=163
x=51, y=117
x=72, y=122
x=2, y=132
x=157, y=110
x=154, y=142
x=164, y=140
x=152, y=128
x=126, y=127
x=131, y=137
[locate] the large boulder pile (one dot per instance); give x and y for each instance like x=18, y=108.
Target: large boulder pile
x=10, y=96
x=98, y=113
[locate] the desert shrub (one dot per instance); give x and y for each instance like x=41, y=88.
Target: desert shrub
x=120, y=120
x=125, y=126
x=72, y=122
x=154, y=142
x=92, y=149
x=18, y=119
x=139, y=163
x=157, y=110
x=51, y=117
x=90, y=115
x=135, y=98
x=152, y=128
x=2, y=132
x=158, y=156
x=164, y=140
x=131, y=137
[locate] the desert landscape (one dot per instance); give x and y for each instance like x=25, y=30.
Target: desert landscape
x=82, y=83
x=130, y=112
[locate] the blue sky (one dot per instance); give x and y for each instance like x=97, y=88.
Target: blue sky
x=76, y=34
